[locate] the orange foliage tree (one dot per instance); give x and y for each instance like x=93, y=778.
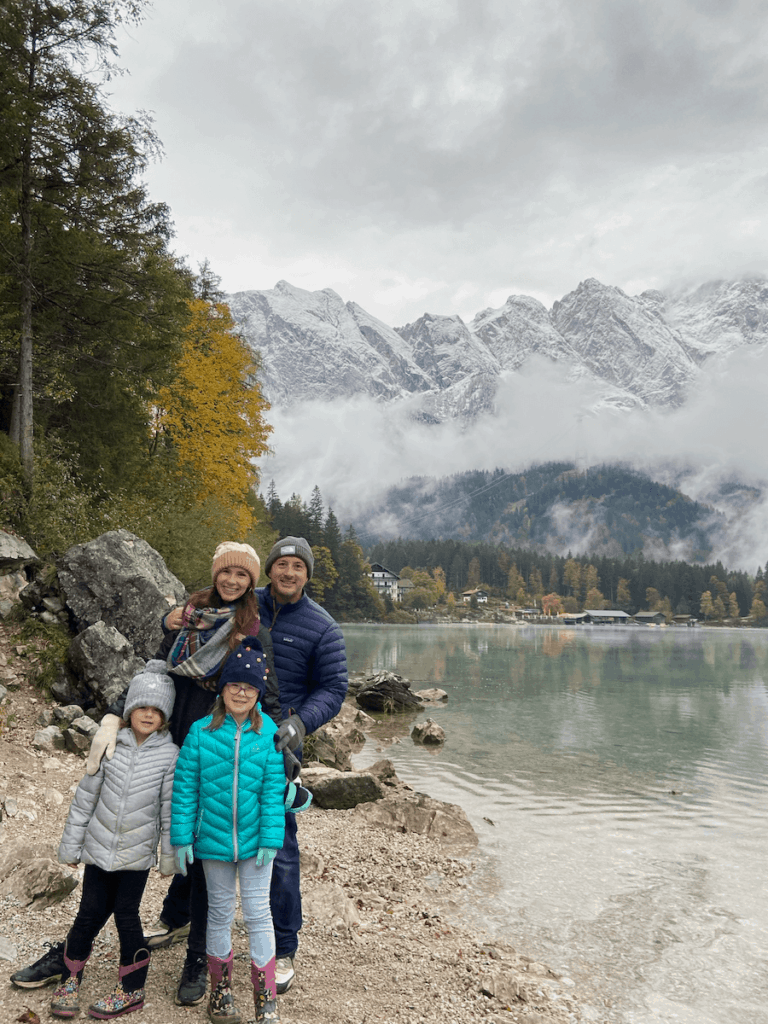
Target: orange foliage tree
x=213, y=413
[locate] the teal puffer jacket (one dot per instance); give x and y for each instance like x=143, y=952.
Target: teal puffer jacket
x=228, y=791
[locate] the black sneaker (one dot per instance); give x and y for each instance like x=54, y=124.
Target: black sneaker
x=45, y=971
x=194, y=978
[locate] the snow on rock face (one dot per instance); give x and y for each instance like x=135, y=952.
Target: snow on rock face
x=625, y=341
x=314, y=346
x=721, y=315
x=640, y=350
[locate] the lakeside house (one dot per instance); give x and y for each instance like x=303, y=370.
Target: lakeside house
x=606, y=616
x=650, y=618
x=481, y=595
x=384, y=580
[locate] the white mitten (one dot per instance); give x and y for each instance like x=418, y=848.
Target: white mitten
x=103, y=743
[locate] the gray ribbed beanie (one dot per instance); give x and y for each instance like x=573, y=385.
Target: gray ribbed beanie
x=152, y=688
x=288, y=546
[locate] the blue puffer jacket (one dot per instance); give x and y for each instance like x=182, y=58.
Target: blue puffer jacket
x=228, y=791
x=310, y=658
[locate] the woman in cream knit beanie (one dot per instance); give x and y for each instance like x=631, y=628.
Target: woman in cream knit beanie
x=231, y=555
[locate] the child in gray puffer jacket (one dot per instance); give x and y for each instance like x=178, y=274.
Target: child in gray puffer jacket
x=115, y=821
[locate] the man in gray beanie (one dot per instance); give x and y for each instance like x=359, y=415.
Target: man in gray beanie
x=311, y=667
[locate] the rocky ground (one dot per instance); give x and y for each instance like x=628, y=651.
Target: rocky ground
x=380, y=944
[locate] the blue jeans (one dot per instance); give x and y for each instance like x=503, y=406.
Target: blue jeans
x=221, y=879
x=285, y=897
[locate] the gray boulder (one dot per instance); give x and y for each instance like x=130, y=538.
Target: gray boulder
x=31, y=873
x=49, y=739
x=334, y=789
x=11, y=586
x=334, y=743
x=387, y=691
x=433, y=695
x=15, y=553
x=428, y=732
x=119, y=579
x=64, y=716
x=79, y=735
x=104, y=660
x=404, y=811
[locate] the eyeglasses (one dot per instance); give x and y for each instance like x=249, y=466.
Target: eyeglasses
x=249, y=691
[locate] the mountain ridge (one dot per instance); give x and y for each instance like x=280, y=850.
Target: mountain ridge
x=639, y=351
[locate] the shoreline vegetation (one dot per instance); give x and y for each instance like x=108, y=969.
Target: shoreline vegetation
x=383, y=939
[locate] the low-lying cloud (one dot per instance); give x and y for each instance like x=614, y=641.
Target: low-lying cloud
x=355, y=450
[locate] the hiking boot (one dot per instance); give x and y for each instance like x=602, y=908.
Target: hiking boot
x=47, y=970
x=159, y=935
x=194, y=978
x=284, y=974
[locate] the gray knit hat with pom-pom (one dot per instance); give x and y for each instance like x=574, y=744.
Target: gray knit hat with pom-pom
x=152, y=688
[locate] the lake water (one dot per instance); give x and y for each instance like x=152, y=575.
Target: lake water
x=625, y=771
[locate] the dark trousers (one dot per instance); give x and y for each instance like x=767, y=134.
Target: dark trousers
x=285, y=894
x=187, y=898
x=106, y=893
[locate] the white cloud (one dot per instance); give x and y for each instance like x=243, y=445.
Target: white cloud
x=354, y=450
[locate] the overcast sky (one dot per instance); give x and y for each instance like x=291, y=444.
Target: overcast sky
x=440, y=155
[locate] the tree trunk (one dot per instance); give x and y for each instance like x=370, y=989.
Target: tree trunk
x=24, y=390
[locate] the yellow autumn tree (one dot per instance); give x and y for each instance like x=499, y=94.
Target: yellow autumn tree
x=213, y=413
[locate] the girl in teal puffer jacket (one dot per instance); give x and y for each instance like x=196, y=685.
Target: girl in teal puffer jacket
x=228, y=811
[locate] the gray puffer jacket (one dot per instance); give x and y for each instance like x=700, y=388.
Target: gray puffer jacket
x=119, y=814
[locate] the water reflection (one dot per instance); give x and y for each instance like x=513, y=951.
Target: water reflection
x=625, y=772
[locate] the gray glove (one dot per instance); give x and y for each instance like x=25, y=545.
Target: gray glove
x=103, y=743
x=290, y=733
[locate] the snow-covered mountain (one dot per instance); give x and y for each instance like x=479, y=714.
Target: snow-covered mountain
x=639, y=350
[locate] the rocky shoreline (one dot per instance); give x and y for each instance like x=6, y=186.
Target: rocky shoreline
x=384, y=868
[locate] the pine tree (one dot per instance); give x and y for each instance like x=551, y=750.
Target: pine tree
x=83, y=262
x=315, y=516
x=332, y=536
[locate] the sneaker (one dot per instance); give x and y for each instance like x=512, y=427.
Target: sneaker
x=284, y=974
x=194, y=978
x=159, y=935
x=48, y=970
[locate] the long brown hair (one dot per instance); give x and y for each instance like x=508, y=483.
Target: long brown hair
x=246, y=613
x=219, y=713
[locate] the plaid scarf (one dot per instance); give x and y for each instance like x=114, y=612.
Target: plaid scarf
x=202, y=644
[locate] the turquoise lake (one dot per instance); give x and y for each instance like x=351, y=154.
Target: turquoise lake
x=624, y=771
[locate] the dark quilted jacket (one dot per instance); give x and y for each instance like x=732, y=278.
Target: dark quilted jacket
x=310, y=658
x=228, y=794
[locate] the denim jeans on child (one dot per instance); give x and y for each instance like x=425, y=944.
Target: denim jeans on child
x=221, y=880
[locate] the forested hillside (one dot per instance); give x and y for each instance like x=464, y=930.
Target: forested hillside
x=529, y=577
x=609, y=510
